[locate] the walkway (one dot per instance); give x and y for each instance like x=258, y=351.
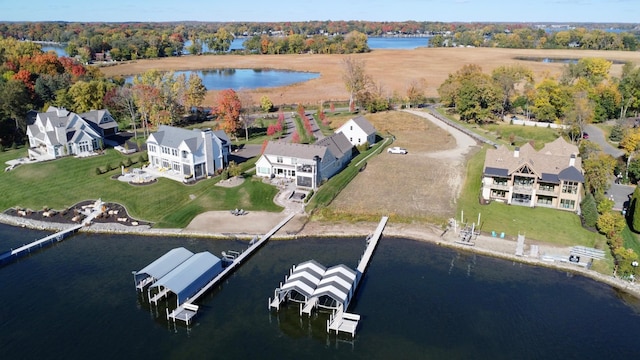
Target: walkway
x=596, y=135
x=187, y=310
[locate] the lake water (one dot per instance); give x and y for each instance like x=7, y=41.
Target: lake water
x=220, y=79
x=76, y=300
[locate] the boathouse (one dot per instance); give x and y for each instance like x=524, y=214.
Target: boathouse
x=187, y=278
x=160, y=267
x=314, y=285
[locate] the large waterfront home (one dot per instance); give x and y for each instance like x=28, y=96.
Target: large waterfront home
x=58, y=132
x=308, y=164
x=192, y=154
x=358, y=131
x=551, y=177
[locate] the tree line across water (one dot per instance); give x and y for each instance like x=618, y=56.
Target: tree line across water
x=131, y=41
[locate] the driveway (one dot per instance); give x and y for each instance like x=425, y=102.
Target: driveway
x=597, y=136
x=620, y=194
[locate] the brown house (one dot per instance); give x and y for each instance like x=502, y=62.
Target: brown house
x=551, y=177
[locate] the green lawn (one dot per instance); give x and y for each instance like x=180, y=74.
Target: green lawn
x=548, y=225
x=62, y=183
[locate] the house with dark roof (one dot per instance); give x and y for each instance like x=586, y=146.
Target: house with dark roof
x=59, y=132
x=193, y=154
x=552, y=177
x=358, y=131
x=101, y=121
x=308, y=164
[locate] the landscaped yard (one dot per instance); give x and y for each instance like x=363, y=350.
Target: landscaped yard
x=542, y=224
x=62, y=183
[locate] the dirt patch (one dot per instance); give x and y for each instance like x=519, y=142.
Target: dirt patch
x=231, y=182
x=419, y=184
x=393, y=69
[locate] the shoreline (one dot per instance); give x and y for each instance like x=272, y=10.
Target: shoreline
x=417, y=232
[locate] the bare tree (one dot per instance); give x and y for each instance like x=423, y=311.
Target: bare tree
x=247, y=106
x=355, y=78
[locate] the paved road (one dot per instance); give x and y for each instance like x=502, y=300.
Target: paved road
x=597, y=136
x=620, y=194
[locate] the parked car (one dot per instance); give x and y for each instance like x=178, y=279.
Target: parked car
x=397, y=150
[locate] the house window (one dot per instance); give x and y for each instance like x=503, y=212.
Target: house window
x=279, y=160
x=174, y=152
x=545, y=200
x=567, y=204
x=570, y=187
x=165, y=150
x=175, y=166
x=165, y=164
x=263, y=170
x=152, y=148
x=351, y=127
x=350, y=139
x=499, y=182
x=294, y=161
x=184, y=154
x=546, y=187
x=498, y=194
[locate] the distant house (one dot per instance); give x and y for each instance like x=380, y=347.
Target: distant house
x=551, y=177
x=59, y=132
x=358, y=131
x=191, y=153
x=308, y=165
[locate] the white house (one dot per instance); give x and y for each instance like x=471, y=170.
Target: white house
x=102, y=121
x=358, y=131
x=308, y=165
x=193, y=154
x=59, y=132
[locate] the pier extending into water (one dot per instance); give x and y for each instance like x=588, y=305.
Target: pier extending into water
x=93, y=211
x=315, y=286
x=187, y=310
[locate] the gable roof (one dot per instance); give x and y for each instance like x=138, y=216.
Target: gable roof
x=102, y=118
x=172, y=137
x=301, y=151
x=338, y=144
x=552, y=159
x=364, y=124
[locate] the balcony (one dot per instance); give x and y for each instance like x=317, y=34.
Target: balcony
x=304, y=168
x=523, y=189
x=499, y=186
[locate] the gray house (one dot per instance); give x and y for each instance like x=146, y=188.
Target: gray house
x=308, y=165
x=193, y=154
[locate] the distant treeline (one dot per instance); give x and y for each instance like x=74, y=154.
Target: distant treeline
x=130, y=41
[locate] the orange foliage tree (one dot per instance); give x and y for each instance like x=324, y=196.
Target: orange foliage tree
x=228, y=111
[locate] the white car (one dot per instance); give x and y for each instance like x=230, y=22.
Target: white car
x=397, y=150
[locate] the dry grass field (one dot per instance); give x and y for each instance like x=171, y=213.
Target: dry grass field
x=393, y=69
x=423, y=184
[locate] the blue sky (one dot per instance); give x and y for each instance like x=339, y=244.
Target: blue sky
x=302, y=10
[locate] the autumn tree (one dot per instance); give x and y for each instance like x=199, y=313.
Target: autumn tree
x=89, y=95
x=355, y=79
x=122, y=102
x=508, y=77
x=266, y=104
x=551, y=100
x=14, y=104
x=416, y=92
x=580, y=114
x=598, y=170
x=629, y=87
x=228, y=111
x=247, y=106
x=195, y=91
x=146, y=99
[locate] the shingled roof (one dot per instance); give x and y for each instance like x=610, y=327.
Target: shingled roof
x=555, y=158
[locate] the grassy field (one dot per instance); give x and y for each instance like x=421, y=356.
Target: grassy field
x=393, y=70
x=62, y=183
x=542, y=224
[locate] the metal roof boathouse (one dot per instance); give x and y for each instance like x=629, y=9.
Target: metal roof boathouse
x=160, y=267
x=187, y=278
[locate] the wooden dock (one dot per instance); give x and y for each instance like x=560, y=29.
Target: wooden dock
x=341, y=321
x=187, y=310
x=53, y=238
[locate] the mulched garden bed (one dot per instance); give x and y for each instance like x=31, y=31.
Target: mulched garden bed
x=114, y=213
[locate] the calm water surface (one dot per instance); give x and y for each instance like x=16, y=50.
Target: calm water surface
x=77, y=300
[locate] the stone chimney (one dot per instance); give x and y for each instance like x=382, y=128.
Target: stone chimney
x=516, y=152
x=572, y=160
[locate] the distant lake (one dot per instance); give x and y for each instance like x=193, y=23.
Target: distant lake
x=397, y=42
x=219, y=79
x=58, y=49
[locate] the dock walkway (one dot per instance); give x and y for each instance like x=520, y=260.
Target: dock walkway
x=342, y=321
x=187, y=310
x=53, y=238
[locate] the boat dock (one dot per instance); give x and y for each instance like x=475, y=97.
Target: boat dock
x=340, y=320
x=53, y=238
x=315, y=286
x=187, y=310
